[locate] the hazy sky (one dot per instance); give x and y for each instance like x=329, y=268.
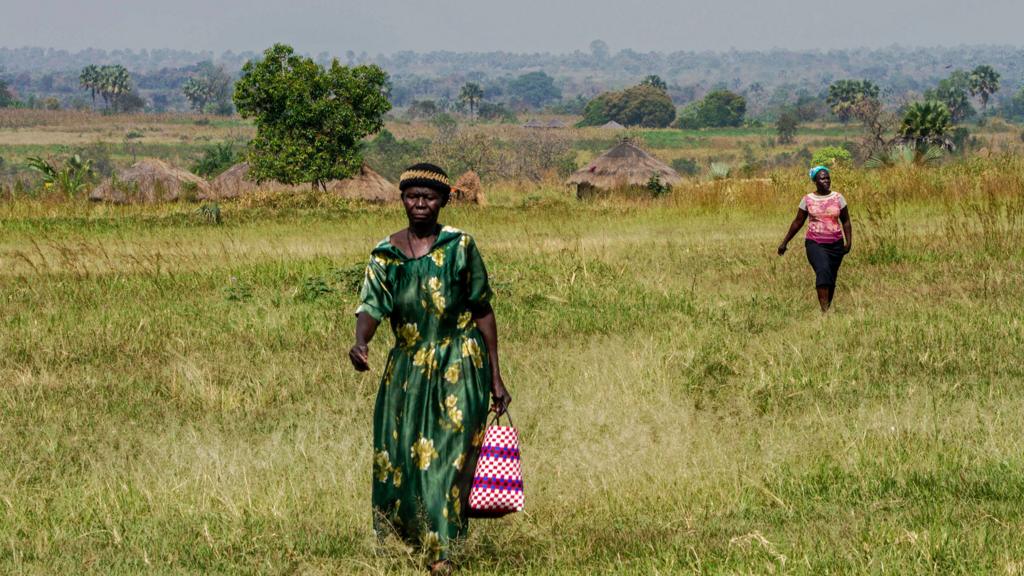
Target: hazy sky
x=514, y=25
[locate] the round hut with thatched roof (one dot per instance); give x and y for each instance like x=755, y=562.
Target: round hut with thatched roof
x=150, y=181
x=624, y=166
x=468, y=189
x=234, y=182
x=365, y=185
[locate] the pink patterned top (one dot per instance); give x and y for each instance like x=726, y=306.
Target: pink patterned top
x=823, y=212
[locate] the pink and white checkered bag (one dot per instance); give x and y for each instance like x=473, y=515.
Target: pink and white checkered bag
x=498, y=481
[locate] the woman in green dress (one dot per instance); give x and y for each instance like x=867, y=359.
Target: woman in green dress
x=431, y=410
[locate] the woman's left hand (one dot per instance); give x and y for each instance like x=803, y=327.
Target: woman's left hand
x=500, y=398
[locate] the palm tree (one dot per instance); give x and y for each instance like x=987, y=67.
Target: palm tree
x=89, y=79
x=926, y=124
x=984, y=82
x=471, y=94
x=112, y=82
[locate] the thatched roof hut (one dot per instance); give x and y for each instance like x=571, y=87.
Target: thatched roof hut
x=623, y=166
x=150, y=181
x=366, y=185
x=612, y=125
x=534, y=123
x=556, y=123
x=235, y=182
x=468, y=189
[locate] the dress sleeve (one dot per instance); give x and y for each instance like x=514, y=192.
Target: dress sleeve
x=842, y=201
x=375, y=298
x=803, y=203
x=478, y=286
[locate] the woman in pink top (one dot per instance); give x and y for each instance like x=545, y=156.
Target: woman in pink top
x=829, y=233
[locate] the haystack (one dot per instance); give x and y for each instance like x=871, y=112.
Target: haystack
x=235, y=182
x=151, y=181
x=624, y=166
x=468, y=189
x=366, y=185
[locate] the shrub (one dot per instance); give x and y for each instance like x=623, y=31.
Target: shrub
x=215, y=159
x=831, y=155
x=656, y=187
x=686, y=166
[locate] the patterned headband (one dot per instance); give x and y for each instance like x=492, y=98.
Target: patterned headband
x=424, y=175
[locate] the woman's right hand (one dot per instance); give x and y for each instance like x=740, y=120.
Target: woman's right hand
x=782, y=249
x=360, y=357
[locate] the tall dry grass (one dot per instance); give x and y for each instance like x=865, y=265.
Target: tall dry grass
x=173, y=399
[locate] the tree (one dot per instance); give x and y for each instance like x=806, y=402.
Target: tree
x=786, y=126
x=880, y=125
x=310, y=120
x=655, y=81
x=209, y=90
x=534, y=89
x=110, y=82
x=6, y=98
x=954, y=92
x=115, y=81
x=720, y=108
x=844, y=95
x=599, y=50
x=984, y=82
x=640, y=105
x=926, y=124
x=489, y=111
x=1015, y=107
x=471, y=94
x=90, y=79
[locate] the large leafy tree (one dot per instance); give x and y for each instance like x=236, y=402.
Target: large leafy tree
x=926, y=124
x=640, y=105
x=720, y=108
x=534, y=89
x=471, y=94
x=984, y=82
x=955, y=93
x=845, y=95
x=310, y=120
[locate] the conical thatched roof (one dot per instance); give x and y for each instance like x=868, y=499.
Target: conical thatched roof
x=534, y=123
x=556, y=123
x=366, y=185
x=234, y=182
x=622, y=166
x=468, y=189
x=613, y=125
x=149, y=181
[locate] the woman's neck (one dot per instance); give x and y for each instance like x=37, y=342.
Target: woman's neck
x=423, y=229
x=821, y=192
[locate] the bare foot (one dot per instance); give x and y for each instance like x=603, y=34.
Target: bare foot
x=442, y=568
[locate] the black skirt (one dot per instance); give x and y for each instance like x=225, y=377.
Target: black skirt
x=825, y=259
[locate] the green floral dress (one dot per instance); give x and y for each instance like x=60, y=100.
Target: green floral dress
x=434, y=396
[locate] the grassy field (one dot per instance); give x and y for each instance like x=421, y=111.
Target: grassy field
x=175, y=398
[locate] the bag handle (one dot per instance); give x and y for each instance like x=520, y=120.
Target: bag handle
x=496, y=419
